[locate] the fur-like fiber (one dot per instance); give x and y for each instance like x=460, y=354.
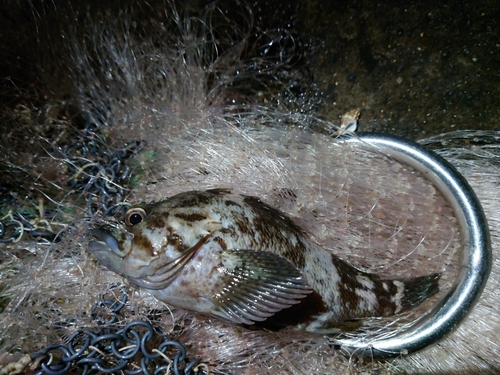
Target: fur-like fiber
x=366, y=208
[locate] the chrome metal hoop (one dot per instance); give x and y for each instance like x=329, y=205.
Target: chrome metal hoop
x=476, y=257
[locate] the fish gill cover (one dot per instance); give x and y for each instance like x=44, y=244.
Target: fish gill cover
x=137, y=103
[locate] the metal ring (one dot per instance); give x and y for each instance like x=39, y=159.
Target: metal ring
x=476, y=257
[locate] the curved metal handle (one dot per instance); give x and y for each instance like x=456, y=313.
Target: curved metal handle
x=476, y=258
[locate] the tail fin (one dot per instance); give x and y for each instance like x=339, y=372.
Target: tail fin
x=411, y=292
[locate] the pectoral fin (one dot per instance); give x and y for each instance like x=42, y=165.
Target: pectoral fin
x=257, y=285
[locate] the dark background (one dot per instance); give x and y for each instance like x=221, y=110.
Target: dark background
x=413, y=68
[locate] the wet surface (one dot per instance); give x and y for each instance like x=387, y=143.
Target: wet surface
x=413, y=68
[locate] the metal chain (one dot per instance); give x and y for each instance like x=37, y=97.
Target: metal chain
x=98, y=174
x=137, y=348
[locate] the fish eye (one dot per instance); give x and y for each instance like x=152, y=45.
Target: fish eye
x=135, y=216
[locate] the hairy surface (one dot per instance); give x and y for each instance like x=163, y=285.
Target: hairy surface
x=362, y=206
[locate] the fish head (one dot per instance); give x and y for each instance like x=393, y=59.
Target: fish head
x=152, y=243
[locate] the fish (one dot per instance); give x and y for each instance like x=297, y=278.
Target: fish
x=235, y=257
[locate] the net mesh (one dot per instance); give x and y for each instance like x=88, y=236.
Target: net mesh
x=169, y=103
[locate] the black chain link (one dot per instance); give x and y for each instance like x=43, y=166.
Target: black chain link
x=107, y=305
x=99, y=173
x=137, y=348
x=13, y=229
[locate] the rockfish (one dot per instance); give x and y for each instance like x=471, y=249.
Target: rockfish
x=239, y=259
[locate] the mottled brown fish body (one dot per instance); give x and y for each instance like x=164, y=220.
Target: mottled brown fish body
x=237, y=258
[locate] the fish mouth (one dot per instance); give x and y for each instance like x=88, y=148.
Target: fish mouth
x=104, y=241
